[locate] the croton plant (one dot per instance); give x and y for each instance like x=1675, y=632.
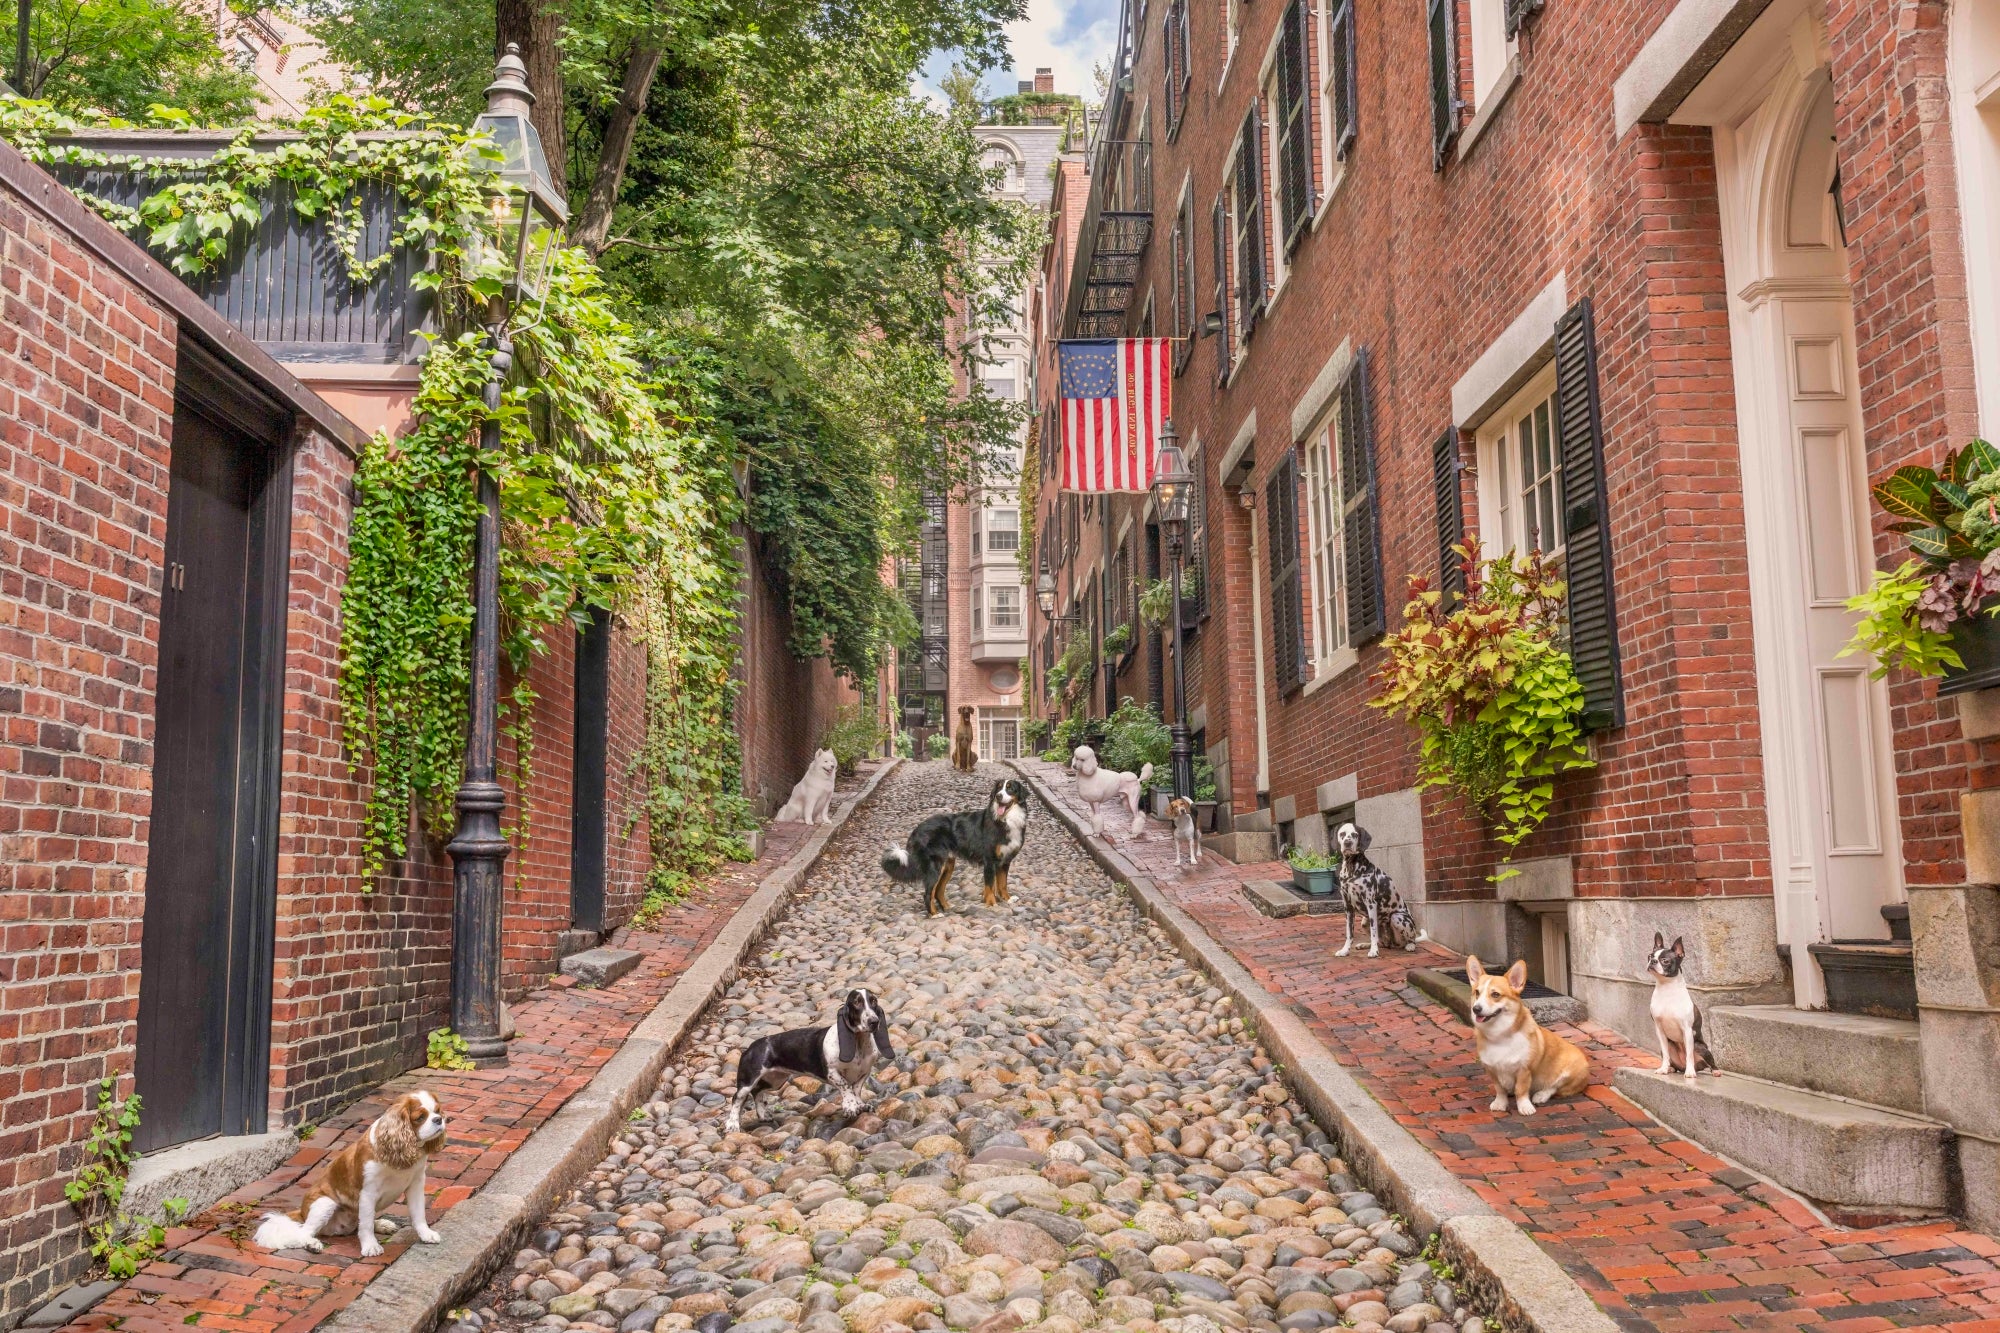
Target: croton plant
x=1951, y=516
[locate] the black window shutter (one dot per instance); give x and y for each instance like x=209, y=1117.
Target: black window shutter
x=1593, y=611
x=1344, y=75
x=1288, y=640
x=1250, y=224
x=1194, y=575
x=1221, y=233
x=1444, y=80
x=1517, y=14
x=1445, y=469
x=1295, y=122
x=1360, y=509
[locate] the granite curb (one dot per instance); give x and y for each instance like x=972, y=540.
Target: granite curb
x=413, y=1294
x=1520, y=1284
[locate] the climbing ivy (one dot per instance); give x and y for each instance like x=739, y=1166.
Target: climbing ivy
x=612, y=496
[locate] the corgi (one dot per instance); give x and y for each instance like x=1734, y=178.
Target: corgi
x=1526, y=1060
x=1181, y=811
x=1675, y=1018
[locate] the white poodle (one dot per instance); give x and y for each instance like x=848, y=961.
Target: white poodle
x=1099, y=787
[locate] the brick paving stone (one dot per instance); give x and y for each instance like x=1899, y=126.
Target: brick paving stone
x=212, y=1276
x=1662, y=1234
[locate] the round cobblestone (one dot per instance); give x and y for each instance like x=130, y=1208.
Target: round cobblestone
x=1077, y=1134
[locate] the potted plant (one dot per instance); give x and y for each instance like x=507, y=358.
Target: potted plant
x=1205, y=801
x=1118, y=640
x=1156, y=603
x=1934, y=614
x=1313, y=872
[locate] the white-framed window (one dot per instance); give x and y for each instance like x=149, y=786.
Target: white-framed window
x=1339, y=89
x=1273, y=150
x=1974, y=64
x=1004, y=606
x=1000, y=733
x=978, y=610
x=1323, y=537
x=1520, y=473
x=1232, y=33
x=1003, y=530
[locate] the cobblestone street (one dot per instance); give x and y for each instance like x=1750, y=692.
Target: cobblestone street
x=1077, y=1133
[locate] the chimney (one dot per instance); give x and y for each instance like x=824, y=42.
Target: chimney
x=1024, y=86
x=1045, y=80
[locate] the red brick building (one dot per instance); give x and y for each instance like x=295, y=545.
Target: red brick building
x=1657, y=287
x=181, y=903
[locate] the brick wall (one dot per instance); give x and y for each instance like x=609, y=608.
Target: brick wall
x=785, y=705
x=1426, y=270
x=86, y=410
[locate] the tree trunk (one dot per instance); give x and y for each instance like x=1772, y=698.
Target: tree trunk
x=536, y=26
x=593, y=227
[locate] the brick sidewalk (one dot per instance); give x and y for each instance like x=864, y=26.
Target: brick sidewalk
x=1660, y=1233
x=210, y=1276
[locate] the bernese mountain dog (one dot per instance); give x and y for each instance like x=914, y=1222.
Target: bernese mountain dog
x=991, y=835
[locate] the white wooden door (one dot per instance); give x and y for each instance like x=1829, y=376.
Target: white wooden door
x=1850, y=811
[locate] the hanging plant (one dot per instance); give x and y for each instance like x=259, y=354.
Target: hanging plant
x=1156, y=603
x=1951, y=516
x=1118, y=639
x=1487, y=681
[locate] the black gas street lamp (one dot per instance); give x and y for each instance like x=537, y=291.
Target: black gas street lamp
x=1173, y=484
x=529, y=215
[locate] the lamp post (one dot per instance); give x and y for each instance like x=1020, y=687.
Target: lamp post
x=528, y=214
x=1172, y=485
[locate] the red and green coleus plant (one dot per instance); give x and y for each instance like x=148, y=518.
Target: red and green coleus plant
x=1486, y=679
x=1951, y=515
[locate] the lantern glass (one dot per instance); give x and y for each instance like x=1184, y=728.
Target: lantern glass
x=1045, y=592
x=527, y=213
x=1171, y=483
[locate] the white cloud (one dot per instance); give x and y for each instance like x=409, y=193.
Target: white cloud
x=1067, y=36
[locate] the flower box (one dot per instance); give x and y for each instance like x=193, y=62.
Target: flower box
x=1976, y=639
x=1318, y=883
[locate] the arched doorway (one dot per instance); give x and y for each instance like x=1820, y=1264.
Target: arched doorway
x=1828, y=764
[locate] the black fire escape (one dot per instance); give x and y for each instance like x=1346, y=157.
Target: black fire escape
x=926, y=671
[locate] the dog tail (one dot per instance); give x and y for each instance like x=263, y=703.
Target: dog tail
x=1145, y=772
x=898, y=864
x=282, y=1231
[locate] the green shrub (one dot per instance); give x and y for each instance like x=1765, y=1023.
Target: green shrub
x=852, y=736
x=906, y=744
x=1303, y=858
x=937, y=745
x=1134, y=736
x=1118, y=640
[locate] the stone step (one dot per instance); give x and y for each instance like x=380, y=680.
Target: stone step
x=1450, y=988
x=1857, y=1162
x=1858, y=1056
x=600, y=967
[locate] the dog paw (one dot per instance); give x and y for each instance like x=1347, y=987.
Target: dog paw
x=1497, y=1104
x=1664, y=1068
x=384, y=1227
x=1343, y=952
x=429, y=1236
x=1375, y=952
x=1524, y=1106
x=315, y=1245
x=370, y=1247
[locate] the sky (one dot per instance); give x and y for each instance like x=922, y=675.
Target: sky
x=1069, y=36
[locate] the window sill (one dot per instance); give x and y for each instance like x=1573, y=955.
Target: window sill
x=1326, y=201
x=1489, y=109
x=1330, y=669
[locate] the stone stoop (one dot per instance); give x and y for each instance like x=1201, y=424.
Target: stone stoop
x=1860, y=1163
x=1861, y=1058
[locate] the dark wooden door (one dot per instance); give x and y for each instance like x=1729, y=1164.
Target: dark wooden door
x=586, y=848
x=204, y=992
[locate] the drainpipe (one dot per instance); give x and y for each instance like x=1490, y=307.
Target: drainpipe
x=1247, y=497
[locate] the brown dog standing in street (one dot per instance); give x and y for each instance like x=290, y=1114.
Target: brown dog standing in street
x=963, y=756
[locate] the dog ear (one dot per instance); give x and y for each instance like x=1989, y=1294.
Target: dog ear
x=1517, y=975
x=1363, y=836
x=882, y=1045
x=1680, y=951
x=847, y=1048
x=1659, y=940
x=1473, y=970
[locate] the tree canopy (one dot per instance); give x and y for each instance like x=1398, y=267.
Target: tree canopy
x=124, y=56
x=765, y=193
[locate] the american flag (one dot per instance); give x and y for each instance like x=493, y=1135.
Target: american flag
x=1115, y=394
